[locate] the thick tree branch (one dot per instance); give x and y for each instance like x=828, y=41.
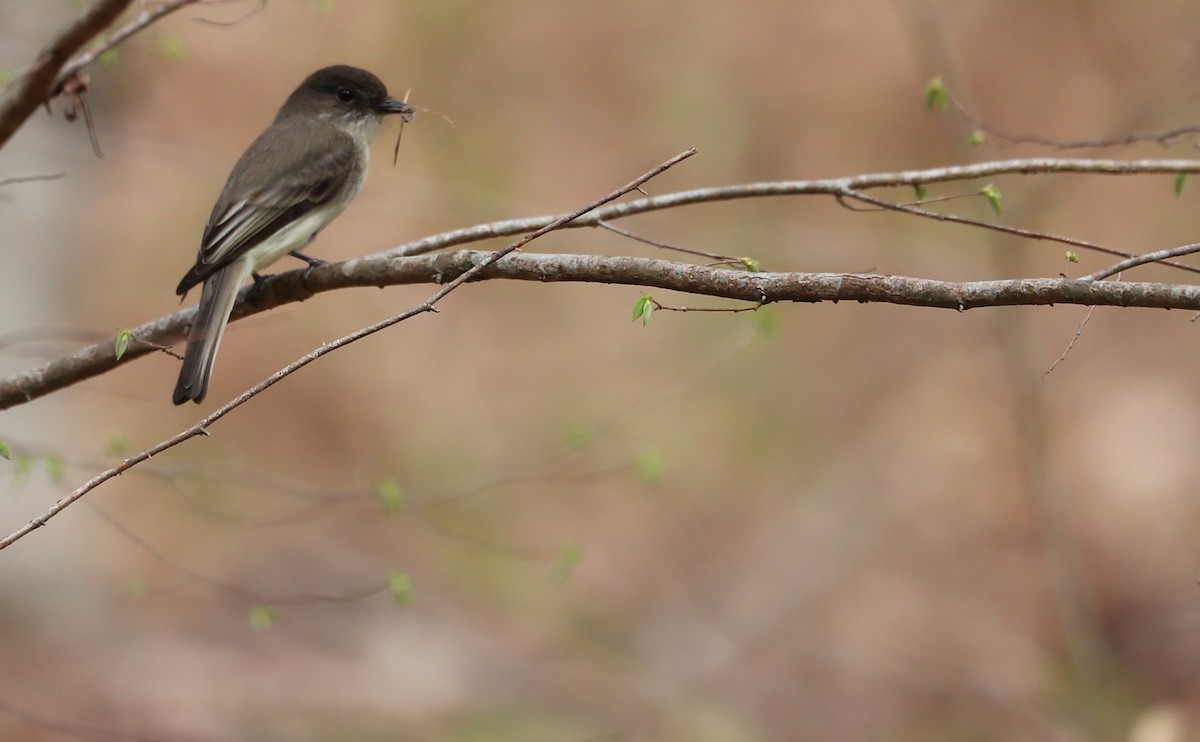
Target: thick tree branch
x=38, y=84
x=390, y=270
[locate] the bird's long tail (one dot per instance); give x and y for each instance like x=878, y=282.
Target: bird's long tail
x=216, y=302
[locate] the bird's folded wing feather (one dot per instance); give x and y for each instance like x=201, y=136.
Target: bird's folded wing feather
x=248, y=213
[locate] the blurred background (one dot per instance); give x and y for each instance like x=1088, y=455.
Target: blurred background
x=528, y=518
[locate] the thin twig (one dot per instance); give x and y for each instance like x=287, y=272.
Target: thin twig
x=1164, y=138
x=719, y=310
x=429, y=305
x=236, y=591
x=1074, y=339
x=724, y=259
x=73, y=729
x=1018, y=231
x=31, y=179
x=1158, y=256
x=259, y=7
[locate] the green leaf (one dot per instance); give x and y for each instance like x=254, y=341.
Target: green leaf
x=650, y=467
x=400, y=586
x=118, y=444
x=5, y=452
x=390, y=495
x=569, y=557
x=172, y=46
x=136, y=587
x=108, y=58
x=976, y=138
x=643, y=308
x=751, y=265
x=123, y=338
x=578, y=435
x=921, y=191
x=768, y=322
x=55, y=467
x=992, y=193
x=22, y=466
x=1072, y=257
x=322, y=7
x=1179, y=181
x=936, y=95
x=262, y=617
x=6, y=75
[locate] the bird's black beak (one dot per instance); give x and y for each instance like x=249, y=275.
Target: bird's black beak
x=391, y=105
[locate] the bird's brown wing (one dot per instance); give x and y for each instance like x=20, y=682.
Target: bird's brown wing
x=258, y=202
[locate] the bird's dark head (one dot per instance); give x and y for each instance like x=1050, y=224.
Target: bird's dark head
x=344, y=92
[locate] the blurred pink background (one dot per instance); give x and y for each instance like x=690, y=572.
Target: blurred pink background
x=812, y=522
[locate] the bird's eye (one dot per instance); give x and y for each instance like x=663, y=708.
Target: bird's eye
x=345, y=95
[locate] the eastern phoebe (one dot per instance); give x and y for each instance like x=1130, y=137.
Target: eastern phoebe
x=293, y=180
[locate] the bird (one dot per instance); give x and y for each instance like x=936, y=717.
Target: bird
x=295, y=178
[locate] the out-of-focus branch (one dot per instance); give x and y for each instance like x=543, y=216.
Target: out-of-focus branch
x=148, y=15
x=38, y=84
x=997, y=135
x=762, y=287
x=61, y=60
